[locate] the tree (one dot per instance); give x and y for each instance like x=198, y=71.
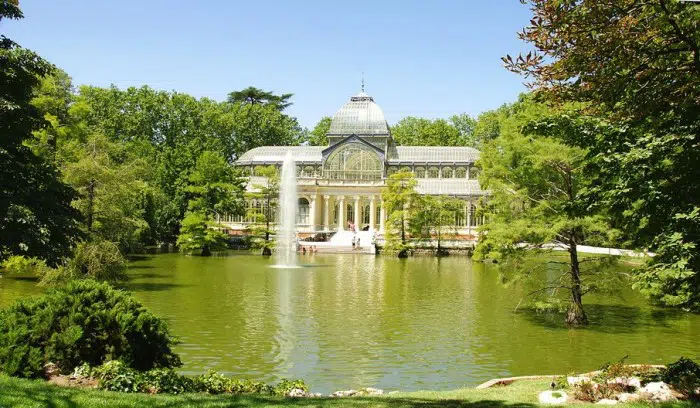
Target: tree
x=256, y=96
x=401, y=201
x=465, y=125
x=636, y=65
x=265, y=196
x=435, y=214
x=199, y=234
x=109, y=183
x=317, y=136
x=215, y=189
x=538, y=183
x=412, y=131
x=36, y=218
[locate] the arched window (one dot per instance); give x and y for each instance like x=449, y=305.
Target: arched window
x=298, y=171
x=447, y=172
x=472, y=215
x=303, y=214
x=473, y=173
x=354, y=161
x=420, y=172
x=460, y=172
x=392, y=170
x=433, y=172
x=335, y=213
x=365, y=214
x=349, y=213
x=309, y=171
x=405, y=169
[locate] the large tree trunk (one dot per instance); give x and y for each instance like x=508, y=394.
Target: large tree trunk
x=206, y=251
x=575, y=316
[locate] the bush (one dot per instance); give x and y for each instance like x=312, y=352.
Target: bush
x=115, y=376
x=83, y=322
x=684, y=376
x=21, y=265
x=285, y=386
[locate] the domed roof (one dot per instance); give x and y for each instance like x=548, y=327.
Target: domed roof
x=360, y=116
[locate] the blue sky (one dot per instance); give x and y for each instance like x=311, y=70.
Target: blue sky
x=419, y=58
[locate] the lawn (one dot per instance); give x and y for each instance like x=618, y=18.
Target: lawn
x=30, y=393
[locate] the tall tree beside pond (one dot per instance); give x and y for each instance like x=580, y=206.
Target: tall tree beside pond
x=436, y=215
x=635, y=64
x=265, y=198
x=36, y=218
x=402, y=202
x=317, y=136
x=538, y=182
x=214, y=189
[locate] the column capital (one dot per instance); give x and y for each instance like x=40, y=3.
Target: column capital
x=357, y=198
x=372, y=198
x=340, y=197
x=326, y=197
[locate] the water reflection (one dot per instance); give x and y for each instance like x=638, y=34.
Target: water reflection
x=357, y=321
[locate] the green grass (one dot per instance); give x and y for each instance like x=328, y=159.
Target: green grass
x=31, y=393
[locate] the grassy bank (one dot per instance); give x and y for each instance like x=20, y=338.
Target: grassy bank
x=29, y=393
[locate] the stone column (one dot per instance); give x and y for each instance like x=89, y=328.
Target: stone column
x=469, y=216
x=372, y=213
x=382, y=217
x=312, y=213
x=469, y=176
x=341, y=213
x=326, y=213
x=358, y=222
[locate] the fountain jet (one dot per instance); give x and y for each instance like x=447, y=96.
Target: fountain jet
x=286, y=251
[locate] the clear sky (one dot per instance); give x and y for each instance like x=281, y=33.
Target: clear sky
x=419, y=58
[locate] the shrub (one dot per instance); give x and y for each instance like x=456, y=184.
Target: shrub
x=285, y=386
x=115, y=376
x=83, y=322
x=684, y=376
x=212, y=383
x=21, y=265
x=166, y=380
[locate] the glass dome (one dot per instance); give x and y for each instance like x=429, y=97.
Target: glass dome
x=360, y=116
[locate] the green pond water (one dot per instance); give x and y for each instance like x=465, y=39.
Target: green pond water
x=347, y=321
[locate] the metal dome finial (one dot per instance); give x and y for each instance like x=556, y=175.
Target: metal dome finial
x=363, y=81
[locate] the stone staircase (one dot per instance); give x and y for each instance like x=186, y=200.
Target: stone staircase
x=341, y=242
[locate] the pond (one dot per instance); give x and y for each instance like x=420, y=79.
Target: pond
x=348, y=321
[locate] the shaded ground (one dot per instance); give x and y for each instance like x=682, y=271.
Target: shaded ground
x=27, y=393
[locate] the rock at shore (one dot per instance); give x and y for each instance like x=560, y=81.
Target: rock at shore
x=552, y=397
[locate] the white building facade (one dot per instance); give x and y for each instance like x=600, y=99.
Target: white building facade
x=342, y=183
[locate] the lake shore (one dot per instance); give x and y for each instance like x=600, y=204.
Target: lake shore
x=15, y=392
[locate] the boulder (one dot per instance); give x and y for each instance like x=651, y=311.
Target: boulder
x=51, y=370
x=657, y=392
x=633, y=382
x=552, y=397
x=606, y=401
x=345, y=393
x=297, y=393
x=371, y=391
x=627, y=397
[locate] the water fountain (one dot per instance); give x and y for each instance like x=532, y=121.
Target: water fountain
x=286, y=248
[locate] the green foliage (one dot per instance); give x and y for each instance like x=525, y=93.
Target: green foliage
x=199, y=235
x=412, y=131
x=401, y=201
x=214, y=186
x=99, y=260
x=263, y=215
x=21, y=265
x=434, y=214
x=83, y=322
x=317, y=136
x=36, y=219
x=539, y=182
x=684, y=376
x=256, y=96
x=639, y=75
x=285, y=386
